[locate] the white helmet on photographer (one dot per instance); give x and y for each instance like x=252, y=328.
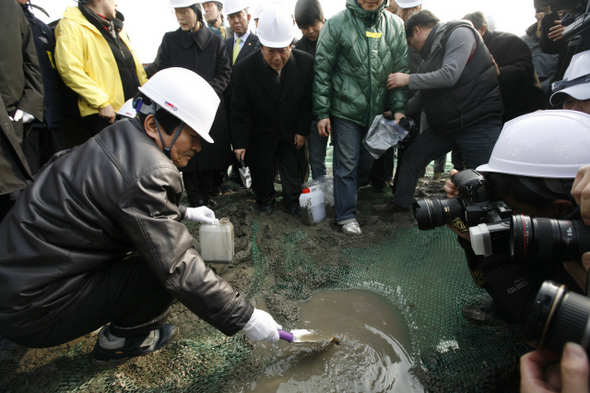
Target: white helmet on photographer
x=575, y=82
x=182, y=3
x=409, y=3
x=184, y=94
x=276, y=27
x=545, y=144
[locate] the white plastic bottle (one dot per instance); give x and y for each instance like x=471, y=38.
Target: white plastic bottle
x=311, y=201
x=217, y=241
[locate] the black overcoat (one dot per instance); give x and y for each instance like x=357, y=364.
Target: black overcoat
x=258, y=114
x=204, y=53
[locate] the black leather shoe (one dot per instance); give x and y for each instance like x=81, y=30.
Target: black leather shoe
x=208, y=203
x=294, y=210
x=391, y=207
x=107, y=350
x=268, y=209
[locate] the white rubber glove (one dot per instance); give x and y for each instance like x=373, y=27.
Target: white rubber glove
x=262, y=327
x=27, y=117
x=200, y=214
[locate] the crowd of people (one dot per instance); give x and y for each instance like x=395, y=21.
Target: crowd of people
x=219, y=96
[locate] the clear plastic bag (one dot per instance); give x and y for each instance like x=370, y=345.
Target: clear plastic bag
x=383, y=134
x=326, y=184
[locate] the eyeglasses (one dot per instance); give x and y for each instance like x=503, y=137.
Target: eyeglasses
x=182, y=12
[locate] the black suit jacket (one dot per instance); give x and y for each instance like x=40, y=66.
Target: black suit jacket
x=249, y=47
x=258, y=114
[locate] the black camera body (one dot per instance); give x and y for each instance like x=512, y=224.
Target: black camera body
x=470, y=208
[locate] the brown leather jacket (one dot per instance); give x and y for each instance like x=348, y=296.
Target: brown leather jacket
x=113, y=195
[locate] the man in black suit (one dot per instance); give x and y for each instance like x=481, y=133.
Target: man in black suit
x=271, y=110
x=243, y=42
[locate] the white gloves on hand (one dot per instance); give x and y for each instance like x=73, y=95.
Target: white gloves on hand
x=262, y=327
x=27, y=117
x=201, y=214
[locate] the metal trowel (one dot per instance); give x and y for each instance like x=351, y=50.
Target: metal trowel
x=300, y=336
x=245, y=174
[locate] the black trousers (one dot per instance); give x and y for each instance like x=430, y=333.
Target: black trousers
x=198, y=186
x=263, y=158
x=127, y=295
x=382, y=170
x=78, y=130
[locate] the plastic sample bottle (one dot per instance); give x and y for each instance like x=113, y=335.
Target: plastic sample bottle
x=311, y=201
x=217, y=241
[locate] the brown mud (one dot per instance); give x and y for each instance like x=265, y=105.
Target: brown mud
x=67, y=367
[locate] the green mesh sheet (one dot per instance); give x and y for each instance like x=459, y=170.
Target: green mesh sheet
x=423, y=273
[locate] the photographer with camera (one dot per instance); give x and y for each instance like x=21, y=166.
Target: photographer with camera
x=539, y=369
x=573, y=91
x=531, y=169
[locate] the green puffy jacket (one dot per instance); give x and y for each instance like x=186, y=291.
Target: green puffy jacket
x=357, y=50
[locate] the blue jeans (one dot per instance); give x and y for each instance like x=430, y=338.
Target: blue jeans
x=317, y=145
x=352, y=166
x=475, y=142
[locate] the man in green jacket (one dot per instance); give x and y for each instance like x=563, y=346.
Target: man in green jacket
x=357, y=50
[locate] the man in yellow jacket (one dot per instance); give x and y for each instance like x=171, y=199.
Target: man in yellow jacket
x=94, y=58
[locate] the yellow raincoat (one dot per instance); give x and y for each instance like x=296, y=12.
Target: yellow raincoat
x=87, y=65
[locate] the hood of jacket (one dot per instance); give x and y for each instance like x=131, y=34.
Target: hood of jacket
x=369, y=18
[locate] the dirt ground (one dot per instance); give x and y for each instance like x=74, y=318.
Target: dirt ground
x=36, y=370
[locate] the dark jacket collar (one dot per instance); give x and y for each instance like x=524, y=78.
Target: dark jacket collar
x=201, y=37
x=291, y=74
x=429, y=41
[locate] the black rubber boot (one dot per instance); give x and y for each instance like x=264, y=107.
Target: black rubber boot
x=109, y=348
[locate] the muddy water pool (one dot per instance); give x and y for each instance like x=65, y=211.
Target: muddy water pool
x=372, y=355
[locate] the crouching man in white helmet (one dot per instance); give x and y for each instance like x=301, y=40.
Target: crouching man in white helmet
x=97, y=240
x=532, y=169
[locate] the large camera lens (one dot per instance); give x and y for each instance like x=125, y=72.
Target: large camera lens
x=558, y=316
x=432, y=213
x=547, y=238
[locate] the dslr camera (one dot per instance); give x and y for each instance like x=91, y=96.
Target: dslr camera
x=558, y=316
x=470, y=208
x=532, y=239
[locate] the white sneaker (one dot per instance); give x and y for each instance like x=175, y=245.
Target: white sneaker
x=351, y=228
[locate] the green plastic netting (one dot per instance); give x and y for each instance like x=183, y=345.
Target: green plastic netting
x=423, y=273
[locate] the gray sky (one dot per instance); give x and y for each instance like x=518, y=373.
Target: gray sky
x=148, y=20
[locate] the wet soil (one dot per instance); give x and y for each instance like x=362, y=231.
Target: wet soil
x=36, y=370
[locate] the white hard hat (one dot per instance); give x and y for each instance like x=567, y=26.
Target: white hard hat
x=548, y=144
x=576, y=80
x=408, y=3
x=257, y=10
x=233, y=6
x=185, y=95
x=182, y=3
x=211, y=1
x=275, y=27
x=127, y=109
